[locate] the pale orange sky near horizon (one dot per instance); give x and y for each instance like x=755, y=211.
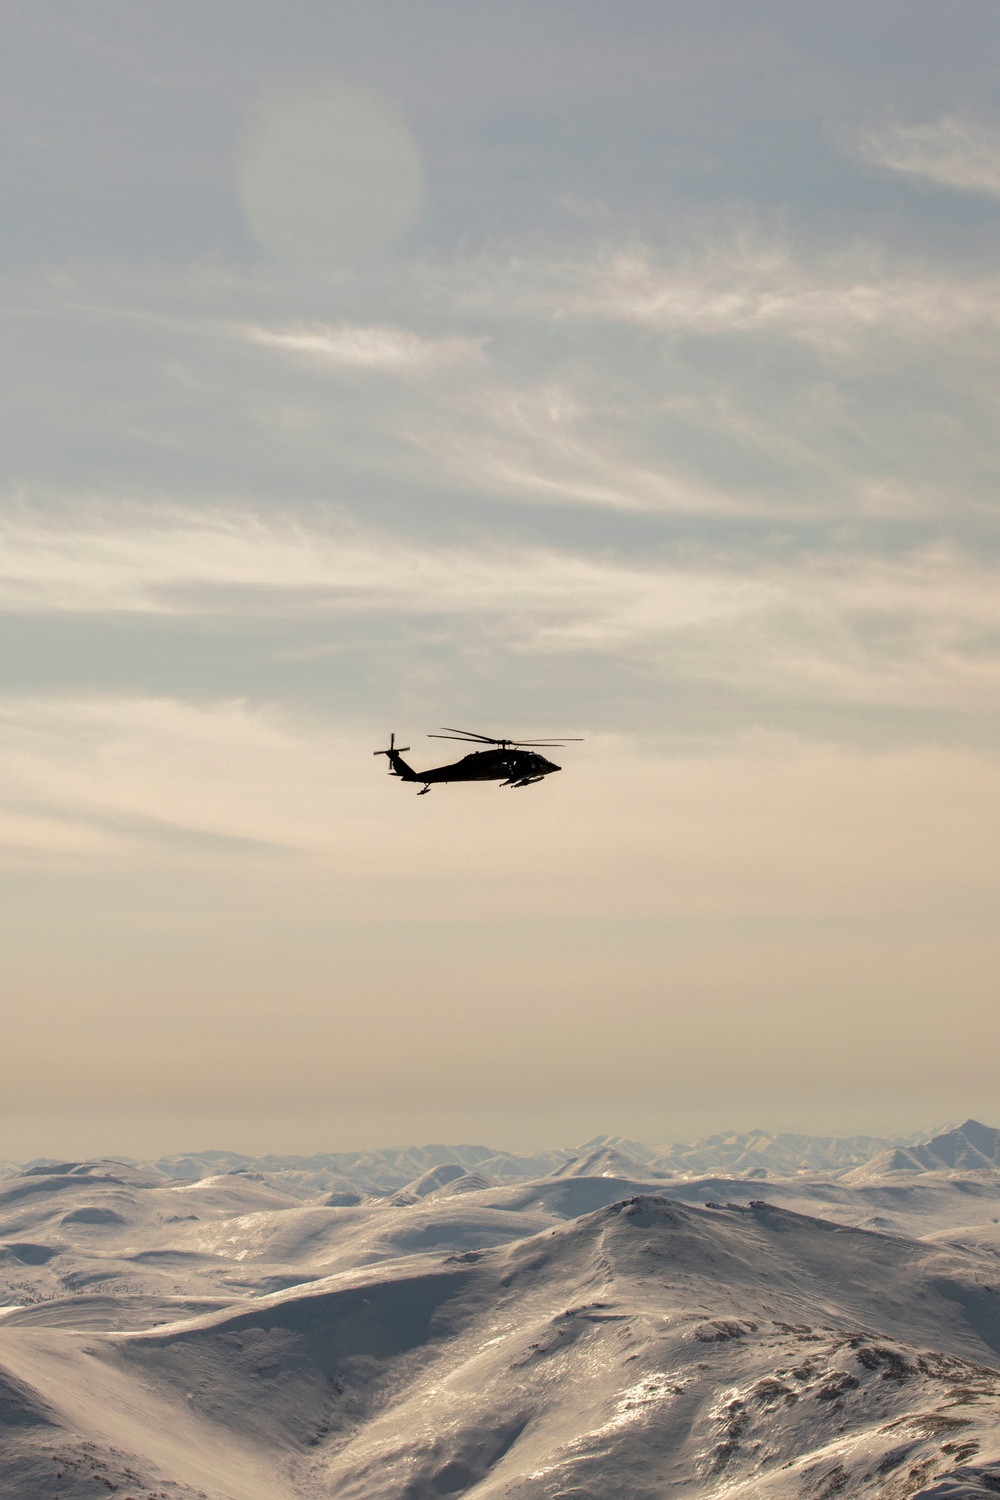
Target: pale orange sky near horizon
x=805, y=943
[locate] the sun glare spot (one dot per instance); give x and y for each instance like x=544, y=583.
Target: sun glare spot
x=329, y=174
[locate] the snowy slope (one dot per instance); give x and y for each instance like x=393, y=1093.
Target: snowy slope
x=599, y=1331
x=645, y=1349
x=127, y=1235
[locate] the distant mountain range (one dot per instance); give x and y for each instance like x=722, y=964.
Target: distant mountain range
x=756, y=1154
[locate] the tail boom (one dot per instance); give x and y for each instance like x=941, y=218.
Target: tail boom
x=399, y=767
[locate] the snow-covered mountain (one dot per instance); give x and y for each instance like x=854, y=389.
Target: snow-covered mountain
x=970, y=1147
x=597, y=1331
x=644, y=1348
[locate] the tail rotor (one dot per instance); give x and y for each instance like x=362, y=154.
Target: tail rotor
x=393, y=749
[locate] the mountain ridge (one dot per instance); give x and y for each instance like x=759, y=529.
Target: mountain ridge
x=384, y=1171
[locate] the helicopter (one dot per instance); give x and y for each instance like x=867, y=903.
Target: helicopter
x=511, y=762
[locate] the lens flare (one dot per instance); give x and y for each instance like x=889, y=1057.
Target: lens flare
x=329, y=174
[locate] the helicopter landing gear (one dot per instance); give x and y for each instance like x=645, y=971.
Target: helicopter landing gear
x=423, y=791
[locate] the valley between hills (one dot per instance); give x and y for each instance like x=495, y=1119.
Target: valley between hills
x=747, y=1316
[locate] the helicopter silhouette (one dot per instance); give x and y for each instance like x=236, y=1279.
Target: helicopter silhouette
x=511, y=762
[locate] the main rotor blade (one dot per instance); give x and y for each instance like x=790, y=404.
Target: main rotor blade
x=455, y=739
x=466, y=734
x=485, y=739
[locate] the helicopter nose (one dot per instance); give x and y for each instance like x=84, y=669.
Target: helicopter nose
x=550, y=767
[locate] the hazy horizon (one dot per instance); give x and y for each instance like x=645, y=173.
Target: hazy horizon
x=527, y=1144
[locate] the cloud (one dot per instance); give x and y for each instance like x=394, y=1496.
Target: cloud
x=747, y=472
x=592, y=359
x=100, y=778
x=958, y=153
x=189, y=564
x=380, y=347
x=724, y=373
x=918, y=629
x=736, y=283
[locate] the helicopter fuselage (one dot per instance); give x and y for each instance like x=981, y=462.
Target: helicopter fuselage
x=509, y=767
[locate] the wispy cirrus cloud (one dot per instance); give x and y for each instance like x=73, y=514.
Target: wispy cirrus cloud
x=728, y=373
x=596, y=391
x=919, y=628
x=190, y=564
x=347, y=346
x=740, y=283
x=952, y=151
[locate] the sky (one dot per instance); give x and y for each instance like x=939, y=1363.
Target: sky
x=619, y=371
